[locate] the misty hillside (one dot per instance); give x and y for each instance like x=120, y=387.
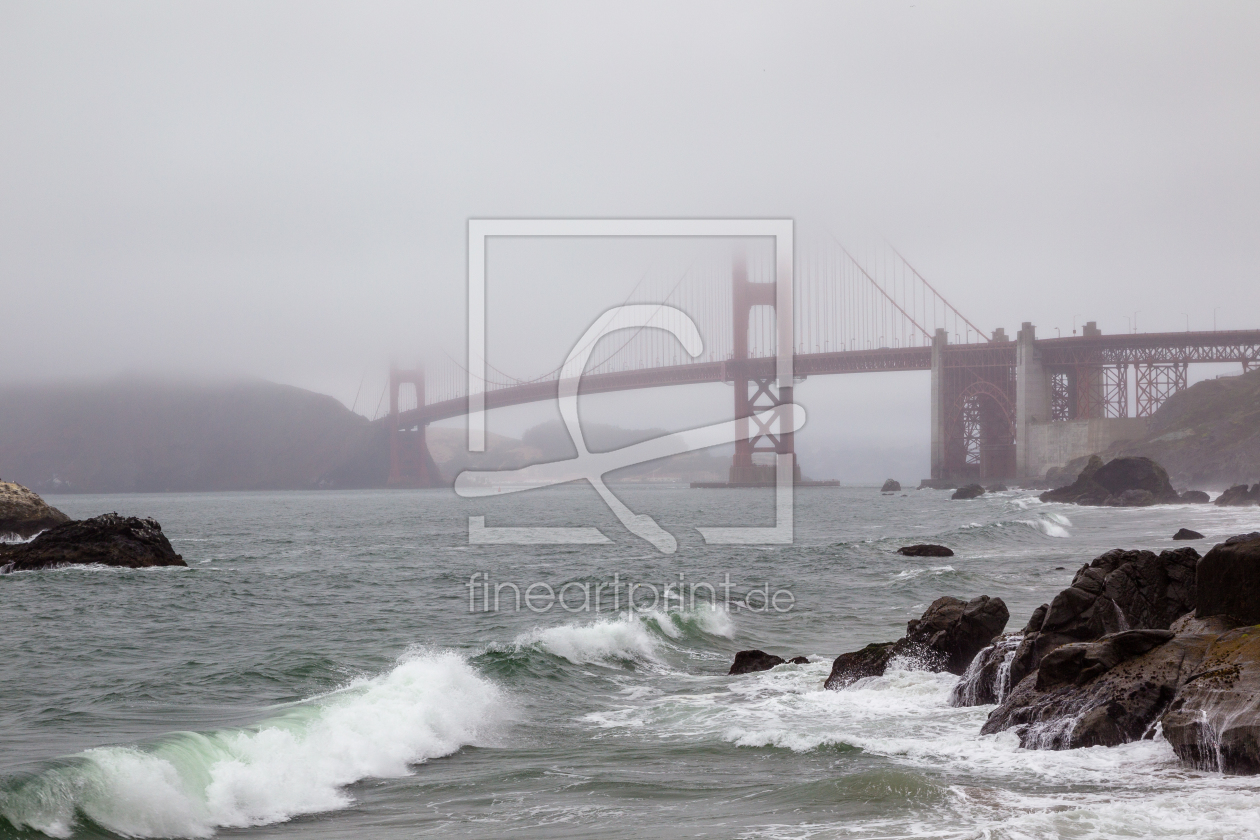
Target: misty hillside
x=148, y=435
x=1208, y=434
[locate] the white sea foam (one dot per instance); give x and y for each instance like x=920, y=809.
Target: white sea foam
x=189, y=785
x=1138, y=789
x=914, y=573
x=628, y=637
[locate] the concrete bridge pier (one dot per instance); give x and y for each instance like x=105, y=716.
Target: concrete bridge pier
x=1032, y=396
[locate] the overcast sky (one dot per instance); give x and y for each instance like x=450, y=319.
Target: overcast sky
x=282, y=189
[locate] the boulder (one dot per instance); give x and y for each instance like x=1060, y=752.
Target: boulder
x=1213, y=722
x=946, y=638
x=1100, y=693
x=110, y=540
x=891, y=486
x=24, y=513
x=970, y=491
x=1119, y=590
x=925, y=550
x=1228, y=580
x=1239, y=496
x=1194, y=497
x=1120, y=482
x=799, y=660
x=870, y=661
x=1187, y=534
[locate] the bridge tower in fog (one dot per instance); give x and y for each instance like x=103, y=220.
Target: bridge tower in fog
x=410, y=464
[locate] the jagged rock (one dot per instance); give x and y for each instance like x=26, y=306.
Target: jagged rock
x=24, y=513
x=946, y=638
x=925, y=550
x=891, y=486
x=1239, y=496
x=1194, y=497
x=1101, y=693
x=1228, y=580
x=970, y=491
x=1187, y=534
x=110, y=540
x=1083, y=487
x=1119, y=590
x=748, y=661
x=870, y=661
x=1213, y=722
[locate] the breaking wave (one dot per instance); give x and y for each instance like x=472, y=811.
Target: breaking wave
x=190, y=784
x=628, y=638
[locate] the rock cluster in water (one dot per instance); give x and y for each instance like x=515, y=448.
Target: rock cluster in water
x=1139, y=642
x=1121, y=482
x=109, y=540
x=891, y=486
x=1239, y=496
x=970, y=491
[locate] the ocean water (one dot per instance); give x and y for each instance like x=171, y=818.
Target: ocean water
x=324, y=669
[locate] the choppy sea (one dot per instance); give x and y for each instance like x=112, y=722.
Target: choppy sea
x=324, y=668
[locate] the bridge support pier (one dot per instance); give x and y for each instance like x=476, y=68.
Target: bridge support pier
x=410, y=464
x=1033, y=400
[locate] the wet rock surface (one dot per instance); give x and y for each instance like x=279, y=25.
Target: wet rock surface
x=750, y=661
x=1213, y=723
x=109, y=540
x=925, y=550
x=24, y=513
x=1187, y=534
x=969, y=491
x=946, y=638
x=1194, y=497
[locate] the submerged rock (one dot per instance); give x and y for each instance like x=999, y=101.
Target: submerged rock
x=110, y=540
x=891, y=486
x=946, y=638
x=1239, y=496
x=24, y=513
x=970, y=491
x=1213, y=722
x=748, y=661
x=1228, y=580
x=925, y=550
x=1187, y=534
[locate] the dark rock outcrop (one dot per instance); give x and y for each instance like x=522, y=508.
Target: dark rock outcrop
x=748, y=661
x=1213, y=722
x=1194, y=497
x=946, y=638
x=1120, y=590
x=969, y=491
x=925, y=550
x=891, y=486
x=24, y=513
x=110, y=540
x=988, y=677
x=1101, y=693
x=1228, y=581
x=1124, y=482
x=1187, y=534
x=1239, y=496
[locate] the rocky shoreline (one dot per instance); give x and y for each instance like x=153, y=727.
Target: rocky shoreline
x=1140, y=643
